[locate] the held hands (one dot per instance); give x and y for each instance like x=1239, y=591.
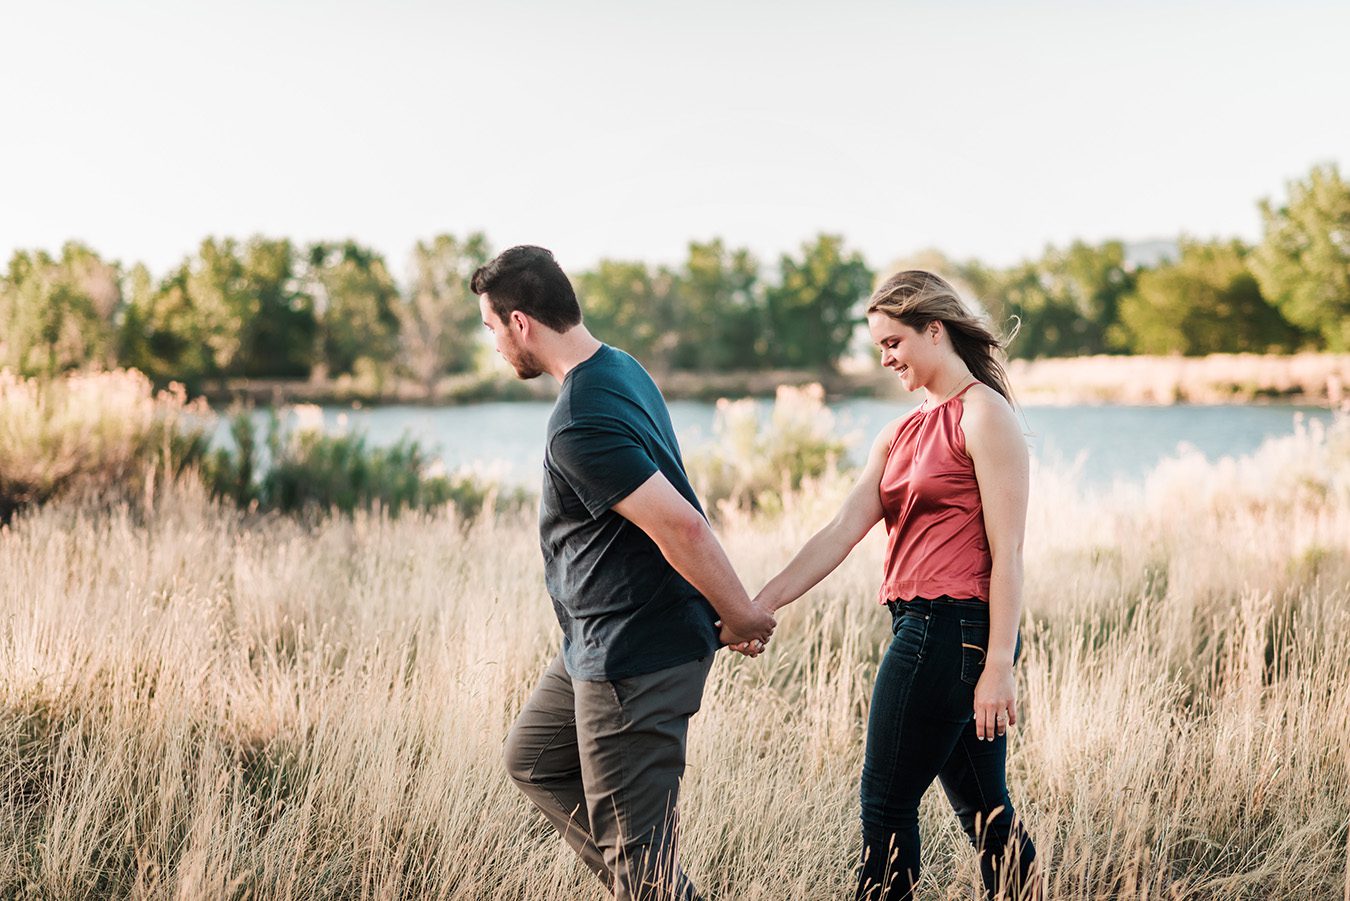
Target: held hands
x=749, y=632
x=995, y=701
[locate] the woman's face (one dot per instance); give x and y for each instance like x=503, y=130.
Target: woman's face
x=910, y=354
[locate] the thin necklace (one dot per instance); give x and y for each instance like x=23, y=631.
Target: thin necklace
x=952, y=393
x=923, y=416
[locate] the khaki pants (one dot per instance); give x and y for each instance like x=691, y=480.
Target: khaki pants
x=603, y=761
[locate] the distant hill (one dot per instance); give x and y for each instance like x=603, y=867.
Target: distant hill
x=1147, y=254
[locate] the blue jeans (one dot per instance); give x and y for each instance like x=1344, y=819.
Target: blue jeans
x=922, y=728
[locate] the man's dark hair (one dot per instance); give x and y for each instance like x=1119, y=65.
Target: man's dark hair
x=528, y=279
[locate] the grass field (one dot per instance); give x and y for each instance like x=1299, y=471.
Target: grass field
x=199, y=703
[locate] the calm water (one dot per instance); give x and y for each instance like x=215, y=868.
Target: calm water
x=506, y=439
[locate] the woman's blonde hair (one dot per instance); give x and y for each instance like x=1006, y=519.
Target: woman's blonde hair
x=916, y=298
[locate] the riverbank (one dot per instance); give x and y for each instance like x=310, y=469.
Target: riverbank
x=503, y=386
x=1314, y=379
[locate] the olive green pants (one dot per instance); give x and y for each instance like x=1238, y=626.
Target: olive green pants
x=603, y=761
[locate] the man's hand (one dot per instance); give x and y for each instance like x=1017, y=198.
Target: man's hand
x=750, y=633
x=746, y=622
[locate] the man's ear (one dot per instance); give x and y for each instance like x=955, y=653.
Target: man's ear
x=520, y=322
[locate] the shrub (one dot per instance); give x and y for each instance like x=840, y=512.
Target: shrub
x=111, y=433
x=91, y=431
x=307, y=470
x=754, y=463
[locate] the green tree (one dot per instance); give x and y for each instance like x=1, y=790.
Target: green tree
x=1094, y=278
x=214, y=283
x=1206, y=302
x=720, y=311
x=355, y=303
x=981, y=284
x=255, y=319
x=633, y=306
x=440, y=322
x=1046, y=322
x=813, y=309
x=1303, y=261
x=58, y=313
x=1067, y=301
x=279, y=338
x=162, y=334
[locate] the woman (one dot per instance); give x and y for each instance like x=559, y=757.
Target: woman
x=950, y=479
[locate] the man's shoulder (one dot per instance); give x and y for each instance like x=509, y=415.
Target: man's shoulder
x=612, y=388
x=610, y=364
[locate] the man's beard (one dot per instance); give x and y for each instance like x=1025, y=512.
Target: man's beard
x=525, y=364
x=527, y=374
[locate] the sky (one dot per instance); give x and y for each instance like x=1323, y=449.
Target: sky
x=626, y=130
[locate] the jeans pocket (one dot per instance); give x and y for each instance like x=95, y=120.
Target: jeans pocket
x=897, y=614
x=974, y=641
x=911, y=635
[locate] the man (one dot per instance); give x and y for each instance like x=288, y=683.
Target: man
x=640, y=586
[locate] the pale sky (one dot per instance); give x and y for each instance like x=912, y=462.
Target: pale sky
x=624, y=130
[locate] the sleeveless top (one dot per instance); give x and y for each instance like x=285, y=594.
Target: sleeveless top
x=935, y=539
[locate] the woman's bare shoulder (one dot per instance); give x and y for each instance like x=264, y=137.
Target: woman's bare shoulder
x=988, y=411
x=985, y=401
x=888, y=432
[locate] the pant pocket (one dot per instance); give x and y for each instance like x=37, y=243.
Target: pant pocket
x=911, y=636
x=974, y=641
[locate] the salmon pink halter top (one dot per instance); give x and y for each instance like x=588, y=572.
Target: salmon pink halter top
x=935, y=544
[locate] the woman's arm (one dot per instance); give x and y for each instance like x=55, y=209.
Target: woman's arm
x=828, y=547
x=1002, y=469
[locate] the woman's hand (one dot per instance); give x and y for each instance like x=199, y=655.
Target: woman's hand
x=995, y=701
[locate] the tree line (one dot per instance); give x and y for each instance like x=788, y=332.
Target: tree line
x=270, y=308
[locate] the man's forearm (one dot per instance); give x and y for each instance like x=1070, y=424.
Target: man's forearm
x=698, y=556
x=687, y=542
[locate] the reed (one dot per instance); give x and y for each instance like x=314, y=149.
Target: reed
x=196, y=703
x=1314, y=378
x=90, y=432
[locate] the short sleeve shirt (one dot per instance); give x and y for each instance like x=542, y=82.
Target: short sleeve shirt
x=623, y=609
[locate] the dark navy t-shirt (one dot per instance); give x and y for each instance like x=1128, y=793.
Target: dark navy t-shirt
x=623, y=609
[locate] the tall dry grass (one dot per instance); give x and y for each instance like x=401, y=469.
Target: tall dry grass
x=90, y=431
x=196, y=704
x=1315, y=378
x=111, y=435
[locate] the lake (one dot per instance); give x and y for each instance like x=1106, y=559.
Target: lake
x=505, y=440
